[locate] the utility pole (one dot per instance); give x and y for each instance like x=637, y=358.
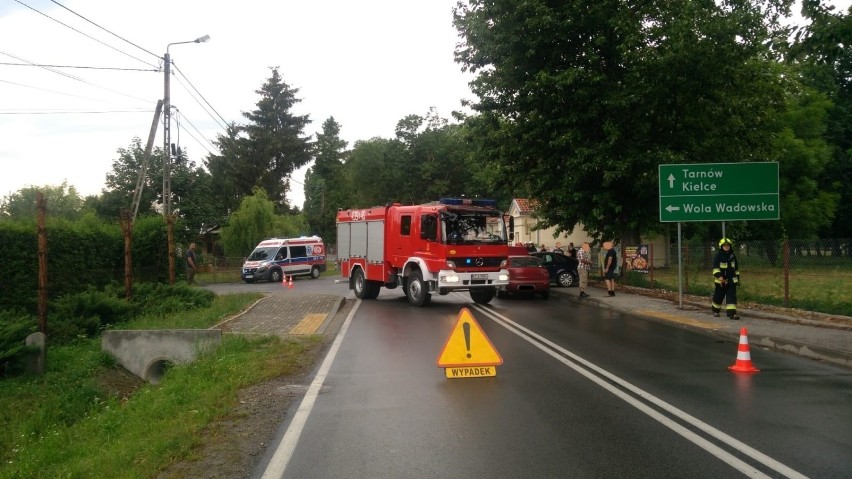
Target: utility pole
x=167, y=152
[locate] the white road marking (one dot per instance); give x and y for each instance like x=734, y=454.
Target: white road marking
x=278, y=464
x=562, y=355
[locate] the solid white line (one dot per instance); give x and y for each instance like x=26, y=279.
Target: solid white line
x=278, y=464
x=728, y=458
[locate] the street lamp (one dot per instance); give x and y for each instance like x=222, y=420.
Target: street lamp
x=167, y=161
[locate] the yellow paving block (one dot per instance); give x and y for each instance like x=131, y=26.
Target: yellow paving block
x=675, y=318
x=309, y=324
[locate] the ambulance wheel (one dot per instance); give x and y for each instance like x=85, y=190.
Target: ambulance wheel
x=482, y=296
x=315, y=272
x=416, y=290
x=275, y=276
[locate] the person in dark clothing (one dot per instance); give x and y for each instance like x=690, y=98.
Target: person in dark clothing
x=572, y=251
x=610, y=262
x=726, y=272
x=191, y=265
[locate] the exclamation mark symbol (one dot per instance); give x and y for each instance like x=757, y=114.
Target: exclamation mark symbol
x=466, y=327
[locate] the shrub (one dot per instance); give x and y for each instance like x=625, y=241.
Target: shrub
x=14, y=329
x=86, y=314
x=159, y=299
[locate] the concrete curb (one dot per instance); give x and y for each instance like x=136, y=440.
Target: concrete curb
x=330, y=316
x=767, y=341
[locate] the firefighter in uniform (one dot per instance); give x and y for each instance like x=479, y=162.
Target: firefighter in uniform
x=727, y=274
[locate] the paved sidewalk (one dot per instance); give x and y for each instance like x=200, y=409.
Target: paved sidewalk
x=824, y=340
x=311, y=313
x=285, y=315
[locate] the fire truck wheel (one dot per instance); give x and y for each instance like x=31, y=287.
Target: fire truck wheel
x=416, y=290
x=315, y=272
x=359, y=284
x=482, y=296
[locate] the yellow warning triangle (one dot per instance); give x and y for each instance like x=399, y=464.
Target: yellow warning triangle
x=467, y=345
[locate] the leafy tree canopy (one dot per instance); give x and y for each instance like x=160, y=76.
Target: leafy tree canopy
x=62, y=201
x=264, y=152
x=325, y=187
x=580, y=101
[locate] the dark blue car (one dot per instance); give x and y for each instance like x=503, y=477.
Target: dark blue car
x=562, y=268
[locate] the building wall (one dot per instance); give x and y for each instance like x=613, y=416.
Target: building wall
x=525, y=232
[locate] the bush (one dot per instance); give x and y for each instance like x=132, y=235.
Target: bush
x=14, y=329
x=159, y=299
x=87, y=314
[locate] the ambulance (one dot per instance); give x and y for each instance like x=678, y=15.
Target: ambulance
x=274, y=259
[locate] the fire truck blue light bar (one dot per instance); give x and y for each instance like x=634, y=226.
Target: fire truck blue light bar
x=469, y=202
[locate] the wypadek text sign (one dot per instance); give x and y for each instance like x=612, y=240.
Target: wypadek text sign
x=719, y=192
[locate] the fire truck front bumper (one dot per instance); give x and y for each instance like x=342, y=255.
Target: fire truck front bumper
x=454, y=280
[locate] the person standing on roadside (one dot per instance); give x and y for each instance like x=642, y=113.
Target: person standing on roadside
x=572, y=251
x=610, y=262
x=726, y=272
x=558, y=248
x=191, y=265
x=584, y=265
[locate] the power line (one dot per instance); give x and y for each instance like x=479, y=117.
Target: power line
x=199, y=103
x=74, y=78
x=86, y=35
x=199, y=94
x=181, y=127
x=79, y=66
x=70, y=112
x=104, y=29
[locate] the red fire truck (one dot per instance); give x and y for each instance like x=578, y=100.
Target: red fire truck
x=440, y=247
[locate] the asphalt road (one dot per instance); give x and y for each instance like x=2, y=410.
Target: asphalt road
x=582, y=392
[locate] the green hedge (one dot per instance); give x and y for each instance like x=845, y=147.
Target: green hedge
x=80, y=255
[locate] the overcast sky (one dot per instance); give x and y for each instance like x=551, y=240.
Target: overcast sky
x=368, y=64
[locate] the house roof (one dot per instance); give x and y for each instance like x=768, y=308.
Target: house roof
x=525, y=206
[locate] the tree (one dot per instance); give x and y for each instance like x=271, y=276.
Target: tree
x=821, y=52
x=266, y=151
x=580, y=101
x=192, y=196
x=120, y=182
x=62, y=201
x=253, y=221
x=325, y=187
x=374, y=170
x=223, y=170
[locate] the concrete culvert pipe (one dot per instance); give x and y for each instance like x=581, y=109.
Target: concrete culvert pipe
x=156, y=370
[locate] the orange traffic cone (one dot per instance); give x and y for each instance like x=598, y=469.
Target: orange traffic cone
x=743, y=364
x=290, y=284
x=284, y=281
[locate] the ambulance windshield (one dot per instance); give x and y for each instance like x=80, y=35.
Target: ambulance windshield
x=263, y=254
x=472, y=227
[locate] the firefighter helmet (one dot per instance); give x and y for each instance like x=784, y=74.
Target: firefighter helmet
x=725, y=241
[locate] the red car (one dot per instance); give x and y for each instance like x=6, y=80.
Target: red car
x=527, y=275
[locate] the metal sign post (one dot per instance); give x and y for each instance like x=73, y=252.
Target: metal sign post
x=717, y=192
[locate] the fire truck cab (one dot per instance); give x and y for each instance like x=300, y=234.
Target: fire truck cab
x=439, y=247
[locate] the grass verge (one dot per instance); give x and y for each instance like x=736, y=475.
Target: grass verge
x=823, y=291
x=66, y=424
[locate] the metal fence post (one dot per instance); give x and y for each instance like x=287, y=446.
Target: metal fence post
x=786, y=272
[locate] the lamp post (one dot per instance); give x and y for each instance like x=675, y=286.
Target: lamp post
x=167, y=160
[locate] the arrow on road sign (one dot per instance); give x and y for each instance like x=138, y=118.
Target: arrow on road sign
x=671, y=180
x=671, y=208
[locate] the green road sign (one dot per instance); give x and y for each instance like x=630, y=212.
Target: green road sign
x=719, y=192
